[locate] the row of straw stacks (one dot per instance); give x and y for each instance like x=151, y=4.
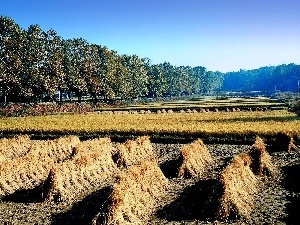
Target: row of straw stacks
x=32, y=169
x=70, y=168
x=135, y=195
x=239, y=180
x=139, y=186
x=90, y=168
x=74, y=169
x=142, y=184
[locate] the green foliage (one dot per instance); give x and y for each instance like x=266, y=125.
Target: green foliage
x=35, y=65
x=282, y=78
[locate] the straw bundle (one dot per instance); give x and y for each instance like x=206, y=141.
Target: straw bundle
x=135, y=195
x=58, y=149
x=26, y=172
x=11, y=148
x=133, y=152
x=239, y=186
x=90, y=169
x=261, y=162
x=195, y=159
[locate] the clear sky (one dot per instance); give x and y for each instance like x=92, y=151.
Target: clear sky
x=224, y=35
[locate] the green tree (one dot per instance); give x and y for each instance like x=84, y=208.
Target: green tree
x=52, y=69
x=11, y=67
x=157, y=84
x=107, y=72
x=34, y=58
x=73, y=64
x=199, y=78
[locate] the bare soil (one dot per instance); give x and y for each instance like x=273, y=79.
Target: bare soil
x=277, y=201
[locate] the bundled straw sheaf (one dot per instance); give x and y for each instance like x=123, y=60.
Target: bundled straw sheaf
x=11, y=148
x=261, y=161
x=90, y=169
x=133, y=152
x=32, y=169
x=135, y=195
x=26, y=172
x=239, y=187
x=195, y=159
x=58, y=149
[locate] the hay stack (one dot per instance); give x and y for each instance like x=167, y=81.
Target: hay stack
x=170, y=111
x=26, y=172
x=261, y=162
x=135, y=195
x=133, y=152
x=58, y=149
x=90, y=169
x=239, y=186
x=11, y=148
x=195, y=159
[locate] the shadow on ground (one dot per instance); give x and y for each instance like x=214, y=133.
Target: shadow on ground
x=34, y=195
x=291, y=183
x=198, y=202
x=170, y=168
x=84, y=211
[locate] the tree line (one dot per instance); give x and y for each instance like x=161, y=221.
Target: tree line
x=283, y=78
x=37, y=65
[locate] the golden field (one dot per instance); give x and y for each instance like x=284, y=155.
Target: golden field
x=244, y=122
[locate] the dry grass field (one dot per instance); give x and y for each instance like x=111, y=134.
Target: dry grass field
x=222, y=124
x=84, y=177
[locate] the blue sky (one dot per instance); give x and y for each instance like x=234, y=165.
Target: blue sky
x=224, y=35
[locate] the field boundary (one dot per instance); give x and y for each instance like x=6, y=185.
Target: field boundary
x=161, y=137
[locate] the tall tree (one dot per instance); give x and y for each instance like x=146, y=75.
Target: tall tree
x=157, y=85
x=11, y=48
x=34, y=59
x=52, y=69
x=73, y=63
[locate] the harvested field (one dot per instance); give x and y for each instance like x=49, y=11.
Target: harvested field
x=188, y=201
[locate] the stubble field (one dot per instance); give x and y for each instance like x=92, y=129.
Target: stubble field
x=71, y=181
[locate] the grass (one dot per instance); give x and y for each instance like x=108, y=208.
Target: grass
x=186, y=124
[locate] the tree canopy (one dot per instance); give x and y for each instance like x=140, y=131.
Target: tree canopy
x=37, y=65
